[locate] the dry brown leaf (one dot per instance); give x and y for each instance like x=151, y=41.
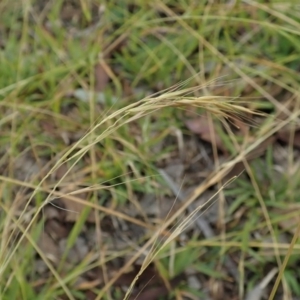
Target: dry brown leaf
x=56, y=230
x=74, y=209
x=201, y=127
x=60, y=172
x=48, y=247
x=284, y=136
x=51, y=212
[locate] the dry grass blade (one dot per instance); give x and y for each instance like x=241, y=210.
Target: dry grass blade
x=178, y=99
x=82, y=211
x=192, y=217
x=40, y=252
x=216, y=105
x=222, y=57
x=201, y=221
x=284, y=264
x=215, y=177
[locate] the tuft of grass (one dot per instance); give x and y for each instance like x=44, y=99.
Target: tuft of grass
x=57, y=146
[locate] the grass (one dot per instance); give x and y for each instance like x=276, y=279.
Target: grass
x=86, y=142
